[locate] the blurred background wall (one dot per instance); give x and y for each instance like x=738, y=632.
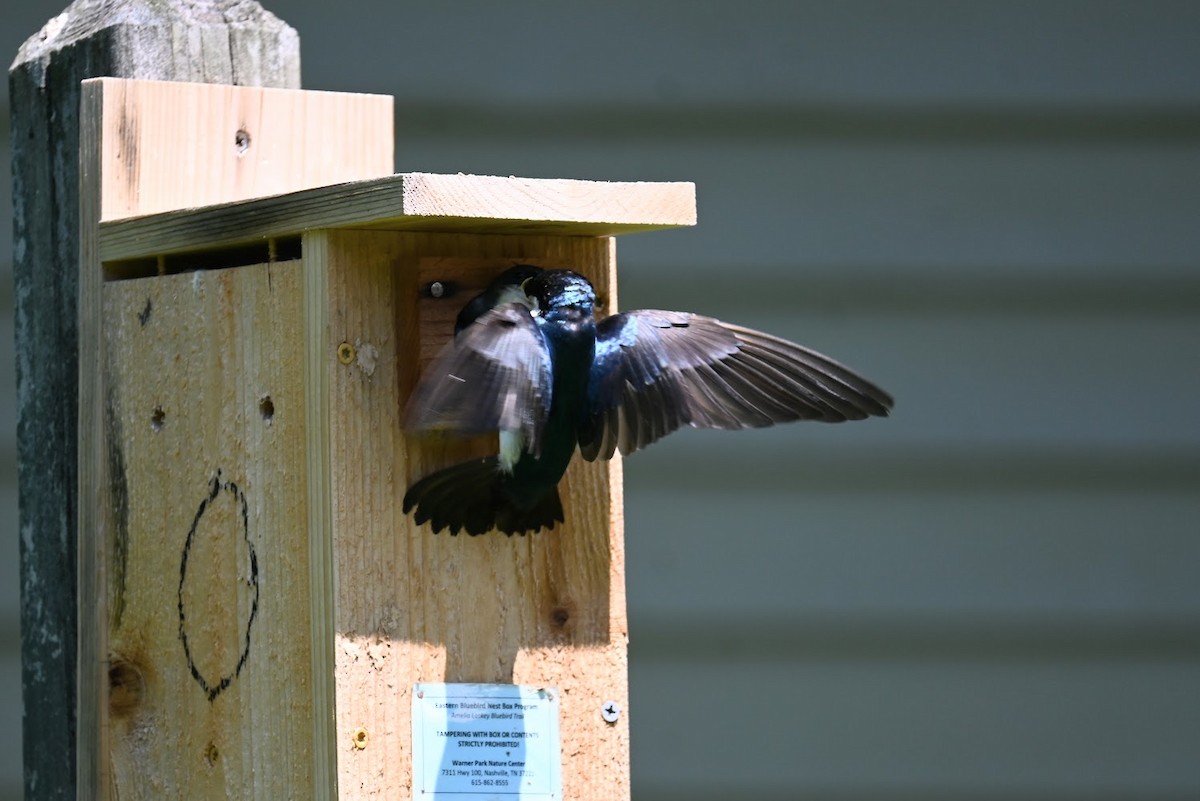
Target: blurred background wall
x=992, y=209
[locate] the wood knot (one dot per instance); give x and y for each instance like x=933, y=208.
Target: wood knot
x=560, y=616
x=125, y=687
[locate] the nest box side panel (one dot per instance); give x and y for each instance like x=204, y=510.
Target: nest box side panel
x=207, y=592
x=146, y=147
x=404, y=605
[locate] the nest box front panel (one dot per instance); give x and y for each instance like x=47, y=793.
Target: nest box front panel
x=546, y=609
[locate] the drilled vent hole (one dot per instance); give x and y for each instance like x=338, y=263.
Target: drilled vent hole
x=266, y=407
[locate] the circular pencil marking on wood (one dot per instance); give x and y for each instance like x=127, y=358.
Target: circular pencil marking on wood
x=227, y=573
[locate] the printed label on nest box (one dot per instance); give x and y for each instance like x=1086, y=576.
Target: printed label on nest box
x=481, y=741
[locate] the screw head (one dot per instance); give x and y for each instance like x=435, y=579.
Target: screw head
x=361, y=738
x=437, y=289
x=610, y=711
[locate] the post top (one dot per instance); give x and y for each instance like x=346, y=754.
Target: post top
x=261, y=48
x=412, y=201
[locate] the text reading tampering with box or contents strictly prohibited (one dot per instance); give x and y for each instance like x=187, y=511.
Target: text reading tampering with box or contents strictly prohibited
x=473, y=742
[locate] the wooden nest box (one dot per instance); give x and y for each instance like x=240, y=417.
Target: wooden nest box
x=254, y=311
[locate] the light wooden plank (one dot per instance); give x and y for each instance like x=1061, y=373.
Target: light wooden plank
x=414, y=201
x=94, y=526
x=208, y=606
x=120, y=144
x=322, y=567
x=181, y=145
x=407, y=606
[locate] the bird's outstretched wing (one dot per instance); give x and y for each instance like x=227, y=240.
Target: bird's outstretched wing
x=494, y=375
x=655, y=371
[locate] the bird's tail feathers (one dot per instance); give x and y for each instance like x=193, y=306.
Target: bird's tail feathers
x=470, y=497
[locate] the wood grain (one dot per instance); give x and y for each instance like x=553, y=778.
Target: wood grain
x=407, y=606
x=206, y=565
x=125, y=149
x=241, y=143
x=325, y=580
x=415, y=202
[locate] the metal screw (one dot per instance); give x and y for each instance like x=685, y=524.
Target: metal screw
x=610, y=711
x=346, y=353
x=437, y=289
x=361, y=737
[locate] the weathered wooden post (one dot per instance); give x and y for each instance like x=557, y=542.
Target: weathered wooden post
x=263, y=620
x=227, y=41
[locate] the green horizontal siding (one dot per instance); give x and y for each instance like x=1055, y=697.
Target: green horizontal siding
x=818, y=555
x=886, y=729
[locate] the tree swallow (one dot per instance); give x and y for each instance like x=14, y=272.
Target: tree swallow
x=530, y=361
